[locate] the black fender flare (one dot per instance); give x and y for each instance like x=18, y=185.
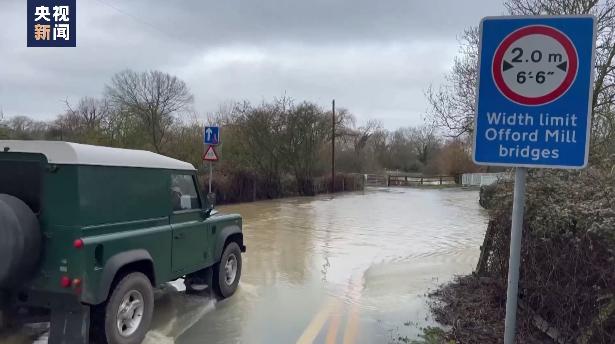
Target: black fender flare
x=225, y=233
x=113, y=265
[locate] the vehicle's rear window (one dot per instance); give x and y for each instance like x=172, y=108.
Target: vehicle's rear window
x=22, y=179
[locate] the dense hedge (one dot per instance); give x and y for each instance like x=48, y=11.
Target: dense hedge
x=568, y=250
x=567, y=281
x=248, y=187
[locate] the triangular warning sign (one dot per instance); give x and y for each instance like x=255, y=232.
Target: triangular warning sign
x=210, y=154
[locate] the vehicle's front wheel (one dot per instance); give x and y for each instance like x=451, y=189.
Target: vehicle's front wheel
x=228, y=271
x=128, y=312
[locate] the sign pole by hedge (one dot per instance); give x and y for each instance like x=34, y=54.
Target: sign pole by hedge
x=533, y=108
x=516, y=231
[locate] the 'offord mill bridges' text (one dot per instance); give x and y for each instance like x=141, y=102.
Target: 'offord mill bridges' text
x=516, y=141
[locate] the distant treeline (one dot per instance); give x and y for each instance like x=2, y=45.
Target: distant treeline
x=276, y=148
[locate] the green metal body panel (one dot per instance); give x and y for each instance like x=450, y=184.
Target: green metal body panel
x=190, y=232
x=119, y=213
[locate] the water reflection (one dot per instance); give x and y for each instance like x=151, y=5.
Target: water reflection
x=364, y=260
x=349, y=268
x=175, y=313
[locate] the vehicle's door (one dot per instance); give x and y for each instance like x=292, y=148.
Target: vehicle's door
x=190, y=232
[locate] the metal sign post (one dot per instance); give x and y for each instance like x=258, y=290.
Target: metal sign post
x=211, y=172
x=210, y=156
x=211, y=138
x=533, y=108
x=516, y=231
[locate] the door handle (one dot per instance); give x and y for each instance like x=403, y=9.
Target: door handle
x=179, y=236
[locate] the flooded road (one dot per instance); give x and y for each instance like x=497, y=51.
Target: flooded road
x=349, y=268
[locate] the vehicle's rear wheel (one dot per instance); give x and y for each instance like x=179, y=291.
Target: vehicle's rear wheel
x=5, y=320
x=20, y=240
x=8, y=313
x=126, y=317
x=228, y=271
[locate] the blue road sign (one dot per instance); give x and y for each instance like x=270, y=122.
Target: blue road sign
x=211, y=136
x=534, y=91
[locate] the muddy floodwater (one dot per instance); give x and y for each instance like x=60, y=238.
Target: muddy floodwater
x=349, y=268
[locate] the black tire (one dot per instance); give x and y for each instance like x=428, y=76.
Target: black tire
x=20, y=241
x=105, y=328
x=6, y=321
x=4, y=313
x=222, y=286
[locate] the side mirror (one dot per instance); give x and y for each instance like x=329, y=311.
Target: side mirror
x=207, y=212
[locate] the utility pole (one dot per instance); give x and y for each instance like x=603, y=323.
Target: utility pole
x=333, y=147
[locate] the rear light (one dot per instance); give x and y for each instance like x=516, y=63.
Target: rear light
x=76, y=283
x=78, y=243
x=65, y=282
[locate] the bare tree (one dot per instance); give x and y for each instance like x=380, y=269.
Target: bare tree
x=603, y=102
x=90, y=112
x=306, y=125
x=24, y=128
x=153, y=97
x=453, y=159
x=86, y=122
x=186, y=139
x=453, y=104
x=424, y=141
x=259, y=142
x=4, y=131
x=362, y=134
x=357, y=153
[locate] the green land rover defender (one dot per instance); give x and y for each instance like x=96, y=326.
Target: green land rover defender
x=87, y=232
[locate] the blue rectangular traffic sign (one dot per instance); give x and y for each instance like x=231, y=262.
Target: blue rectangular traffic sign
x=211, y=136
x=535, y=91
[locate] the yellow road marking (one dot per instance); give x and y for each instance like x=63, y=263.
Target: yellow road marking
x=317, y=323
x=352, y=326
x=334, y=325
x=331, y=309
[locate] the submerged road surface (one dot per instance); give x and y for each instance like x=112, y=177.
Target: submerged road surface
x=349, y=268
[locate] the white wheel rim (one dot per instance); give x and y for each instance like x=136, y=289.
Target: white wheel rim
x=230, y=269
x=130, y=313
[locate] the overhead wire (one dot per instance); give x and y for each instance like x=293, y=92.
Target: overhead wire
x=137, y=19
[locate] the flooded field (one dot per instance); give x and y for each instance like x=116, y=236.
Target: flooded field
x=350, y=268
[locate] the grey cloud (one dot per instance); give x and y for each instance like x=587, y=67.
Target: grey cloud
x=317, y=21
x=374, y=57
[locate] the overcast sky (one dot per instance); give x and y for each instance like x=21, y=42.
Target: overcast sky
x=375, y=57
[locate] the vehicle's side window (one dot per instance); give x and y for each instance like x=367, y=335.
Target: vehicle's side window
x=183, y=193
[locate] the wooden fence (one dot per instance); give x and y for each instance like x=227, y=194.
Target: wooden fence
x=376, y=180
x=410, y=180
x=480, y=179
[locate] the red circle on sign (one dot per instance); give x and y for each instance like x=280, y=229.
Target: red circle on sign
x=560, y=37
